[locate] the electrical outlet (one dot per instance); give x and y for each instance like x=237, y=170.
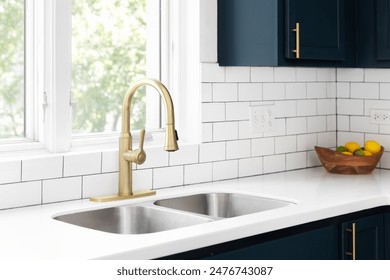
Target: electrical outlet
x=380, y=116
x=261, y=119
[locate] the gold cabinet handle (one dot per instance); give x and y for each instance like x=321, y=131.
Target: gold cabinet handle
x=353, y=232
x=297, y=31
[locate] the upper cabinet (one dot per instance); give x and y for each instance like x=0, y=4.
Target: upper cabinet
x=331, y=33
x=373, y=33
x=315, y=30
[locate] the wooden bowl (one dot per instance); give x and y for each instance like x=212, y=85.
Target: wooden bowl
x=339, y=163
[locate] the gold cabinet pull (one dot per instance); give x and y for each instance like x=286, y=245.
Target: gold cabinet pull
x=353, y=232
x=297, y=31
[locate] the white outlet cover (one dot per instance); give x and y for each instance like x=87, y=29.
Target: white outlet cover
x=261, y=119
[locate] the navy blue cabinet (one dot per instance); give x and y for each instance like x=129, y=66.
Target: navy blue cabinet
x=318, y=244
x=363, y=238
x=383, y=30
x=286, y=33
x=315, y=29
x=373, y=33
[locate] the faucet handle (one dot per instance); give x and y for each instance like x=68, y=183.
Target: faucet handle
x=141, y=139
x=137, y=156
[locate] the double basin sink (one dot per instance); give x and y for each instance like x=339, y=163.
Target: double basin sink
x=171, y=213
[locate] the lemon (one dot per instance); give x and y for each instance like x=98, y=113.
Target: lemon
x=367, y=153
x=352, y=146
x=347, y=153
x=372, y=146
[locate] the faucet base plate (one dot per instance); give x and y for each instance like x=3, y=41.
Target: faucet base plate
x=116, y=197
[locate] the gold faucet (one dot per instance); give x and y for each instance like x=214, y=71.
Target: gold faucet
x=126, y=153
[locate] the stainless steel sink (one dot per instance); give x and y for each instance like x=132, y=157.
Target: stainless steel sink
x=171, y=213
x=223, y=205
x=132, y=219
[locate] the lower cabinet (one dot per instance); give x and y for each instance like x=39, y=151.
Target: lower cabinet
x=363, y=239
x=364, y=235
x=318, y=244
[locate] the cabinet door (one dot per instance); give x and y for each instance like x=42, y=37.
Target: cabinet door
x=318, y=244
x=321, y=32
x=363, y=239
x=383, y=29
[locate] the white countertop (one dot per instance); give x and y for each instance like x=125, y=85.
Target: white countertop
x=31, y=233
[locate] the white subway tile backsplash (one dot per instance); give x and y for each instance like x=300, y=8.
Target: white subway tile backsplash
x=10, y=171
x=225, y=131
x=316, y=124
x=198, y=173
x=223, y=170
x=212, y=151
x=285, y=74
x=296, y=91
x=365, y=90
x=244, y=130
x=262, y=74
x=20, y=194
x=295, y=161
x=285, y=144
x=285, y=108
x=42, y=168
x=377, y=75
x=363, y=124
x=250, y=92
x=307, y=107
x=212, y=73
x=207, y=132
x=350, y=107
x=187, y=154
x=331, y=90
x=331, y=123
x=306, y=142
x=316, y=90
x=237, y=111
x=274, y=163
x=238, y=74
x=110, y=161
x=225, y=92
x=168, y=177
x=296, y=125
x=274, y=91
x=344, y=137
x=207, y=92
x=213, y=112
x=326, y=106
x=100, y=185
x=306, y=74
x=375, y=104
x=384, y=90
x=82, y=164
x=250, y=166
x=327, y=139
x=350, y=75
x=343, y=90
x=238, y=149
x=63, y=189
x=142, y=180
x=263, y=146
x=312, y=159
x=155, y=157
x=326, y=74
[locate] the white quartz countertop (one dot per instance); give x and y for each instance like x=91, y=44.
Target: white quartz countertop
x=31, y=233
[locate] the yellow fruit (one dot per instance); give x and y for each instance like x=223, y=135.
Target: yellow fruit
x=372, y=146
x=352, y=146
x=347, y=153
x=367, y=153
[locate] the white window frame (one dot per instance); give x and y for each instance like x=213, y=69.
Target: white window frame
x=48, y=83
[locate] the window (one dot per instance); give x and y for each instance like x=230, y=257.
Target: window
x=66, y=65
x=111, y=49
x=12, y=69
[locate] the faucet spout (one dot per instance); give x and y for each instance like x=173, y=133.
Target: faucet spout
x=126, y=154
